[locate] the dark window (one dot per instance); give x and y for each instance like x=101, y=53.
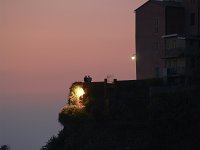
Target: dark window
x=167, y=44
x=156, y=25
x=157, y=71
x=157, y=44
x=174, y=44
x=165, y=63
x=192, y=1
x=171, y=44
x=199, y=43
x=192, y=19
x=191, y=42
x=192, y=63
x=172, y=63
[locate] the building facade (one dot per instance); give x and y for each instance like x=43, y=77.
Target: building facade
x=168, y=40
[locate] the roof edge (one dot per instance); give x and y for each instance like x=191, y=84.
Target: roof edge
x=142, y=5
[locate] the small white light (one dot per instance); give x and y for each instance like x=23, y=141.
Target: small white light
x=133, y=57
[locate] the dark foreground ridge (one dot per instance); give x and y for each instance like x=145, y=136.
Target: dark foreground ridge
x=129, y=115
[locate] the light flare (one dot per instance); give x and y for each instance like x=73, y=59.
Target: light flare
x=79, y=92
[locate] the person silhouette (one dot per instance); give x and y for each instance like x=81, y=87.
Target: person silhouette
x=85, y=79
x=89, y=79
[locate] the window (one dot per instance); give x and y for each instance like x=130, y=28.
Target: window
x=165, y=64
x=157, y=72
x=173, y=43
x=167, y=45
x=192, y=19
x=192, y=1
x=156, y=25
x=192, y=63
x=191, y=42
x=199, y=44
x=157, y=44
x=172, y=63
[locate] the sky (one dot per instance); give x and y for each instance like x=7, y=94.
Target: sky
x=45, y=46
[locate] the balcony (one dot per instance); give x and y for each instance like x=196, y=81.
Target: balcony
x=173, y=72
x=174, y=53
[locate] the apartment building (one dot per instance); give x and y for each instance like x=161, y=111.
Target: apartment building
x=168, y=40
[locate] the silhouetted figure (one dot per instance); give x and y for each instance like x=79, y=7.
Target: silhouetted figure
x=87, y=79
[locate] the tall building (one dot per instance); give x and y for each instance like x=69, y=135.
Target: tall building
x=168, y=40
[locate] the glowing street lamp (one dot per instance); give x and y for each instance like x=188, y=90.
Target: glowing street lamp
x=133, y=57
x=79, y=92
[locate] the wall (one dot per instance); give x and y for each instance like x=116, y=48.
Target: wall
x=150, y=26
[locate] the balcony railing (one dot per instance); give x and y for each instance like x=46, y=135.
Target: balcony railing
x=174, y=53
x=176, y=71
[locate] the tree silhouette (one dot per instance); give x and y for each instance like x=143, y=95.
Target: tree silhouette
x=4, y=147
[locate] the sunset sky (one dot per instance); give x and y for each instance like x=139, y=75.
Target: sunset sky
x=45, y=45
